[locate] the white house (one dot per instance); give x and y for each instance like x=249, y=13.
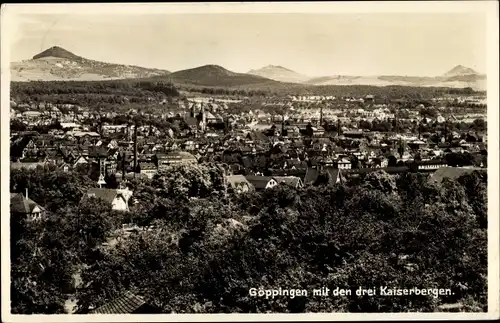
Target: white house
x=118, y=198
x=261, y=182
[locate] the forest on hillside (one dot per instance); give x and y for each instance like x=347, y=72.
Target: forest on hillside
x=207, y=246
x=92, y=93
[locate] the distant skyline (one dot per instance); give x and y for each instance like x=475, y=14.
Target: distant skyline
x=413, y=44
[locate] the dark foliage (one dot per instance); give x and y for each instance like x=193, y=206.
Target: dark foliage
x=205, y=249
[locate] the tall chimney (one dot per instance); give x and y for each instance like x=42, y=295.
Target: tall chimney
x=135, y=148
x=203, y=117
x=282, y=124
x=26, y=192
x=321, y=116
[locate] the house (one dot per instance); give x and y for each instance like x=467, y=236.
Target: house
x=261, y=182
x=148, y=169
x=318, y=131
x=127, y=303
x=334, y=175
x=210, y=118
x=344, y=164
x=65, y=167
x=80, y=160
x=239, y=184
x=118, y=198
x=311, y=176
x=292, y=181
x=31, y=114
x=429, y=165
x=23, y=206
x=68, y=126
x=173, y=157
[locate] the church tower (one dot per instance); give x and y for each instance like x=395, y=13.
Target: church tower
x=203, y=118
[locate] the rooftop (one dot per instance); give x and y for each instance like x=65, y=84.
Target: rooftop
x=124, y=304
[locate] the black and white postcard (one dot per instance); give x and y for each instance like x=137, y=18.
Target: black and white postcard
x=249, y=161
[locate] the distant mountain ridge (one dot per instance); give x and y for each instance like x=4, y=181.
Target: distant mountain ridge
x=279, y=73
x=458, y=77
x=59, y=64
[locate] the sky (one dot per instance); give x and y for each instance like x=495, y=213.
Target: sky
x=414, y=44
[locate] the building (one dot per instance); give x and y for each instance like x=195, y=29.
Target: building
x=239, y=184
x=117, y=198
x=23, y=206
x=344, y=164
x=261, y=182
x=430, y=165
x=333, y=176
x=148, y=169
x=127, y=303
x=292, y=181
x=173, y=158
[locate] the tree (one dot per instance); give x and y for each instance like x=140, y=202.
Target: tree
x=187, y=181
x=479, y=125
x=201, y=252
x=392, y=161
x=17, y=125
x=50, y=188
x=44, y=255
x=459, y=159
x=428, y=112
x=355, y=163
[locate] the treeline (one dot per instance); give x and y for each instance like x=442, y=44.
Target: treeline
x=478, y=125
x=207, y=247
x=383, y=93
x=92, y=92
x=225, y=91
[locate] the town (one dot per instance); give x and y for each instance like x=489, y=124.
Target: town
x=288, y=141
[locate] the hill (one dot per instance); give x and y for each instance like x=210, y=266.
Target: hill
x=460, y=70
x=57, y=51
x=457, y=77
x=59, y=64
x=217, y=76
x=279, y=73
